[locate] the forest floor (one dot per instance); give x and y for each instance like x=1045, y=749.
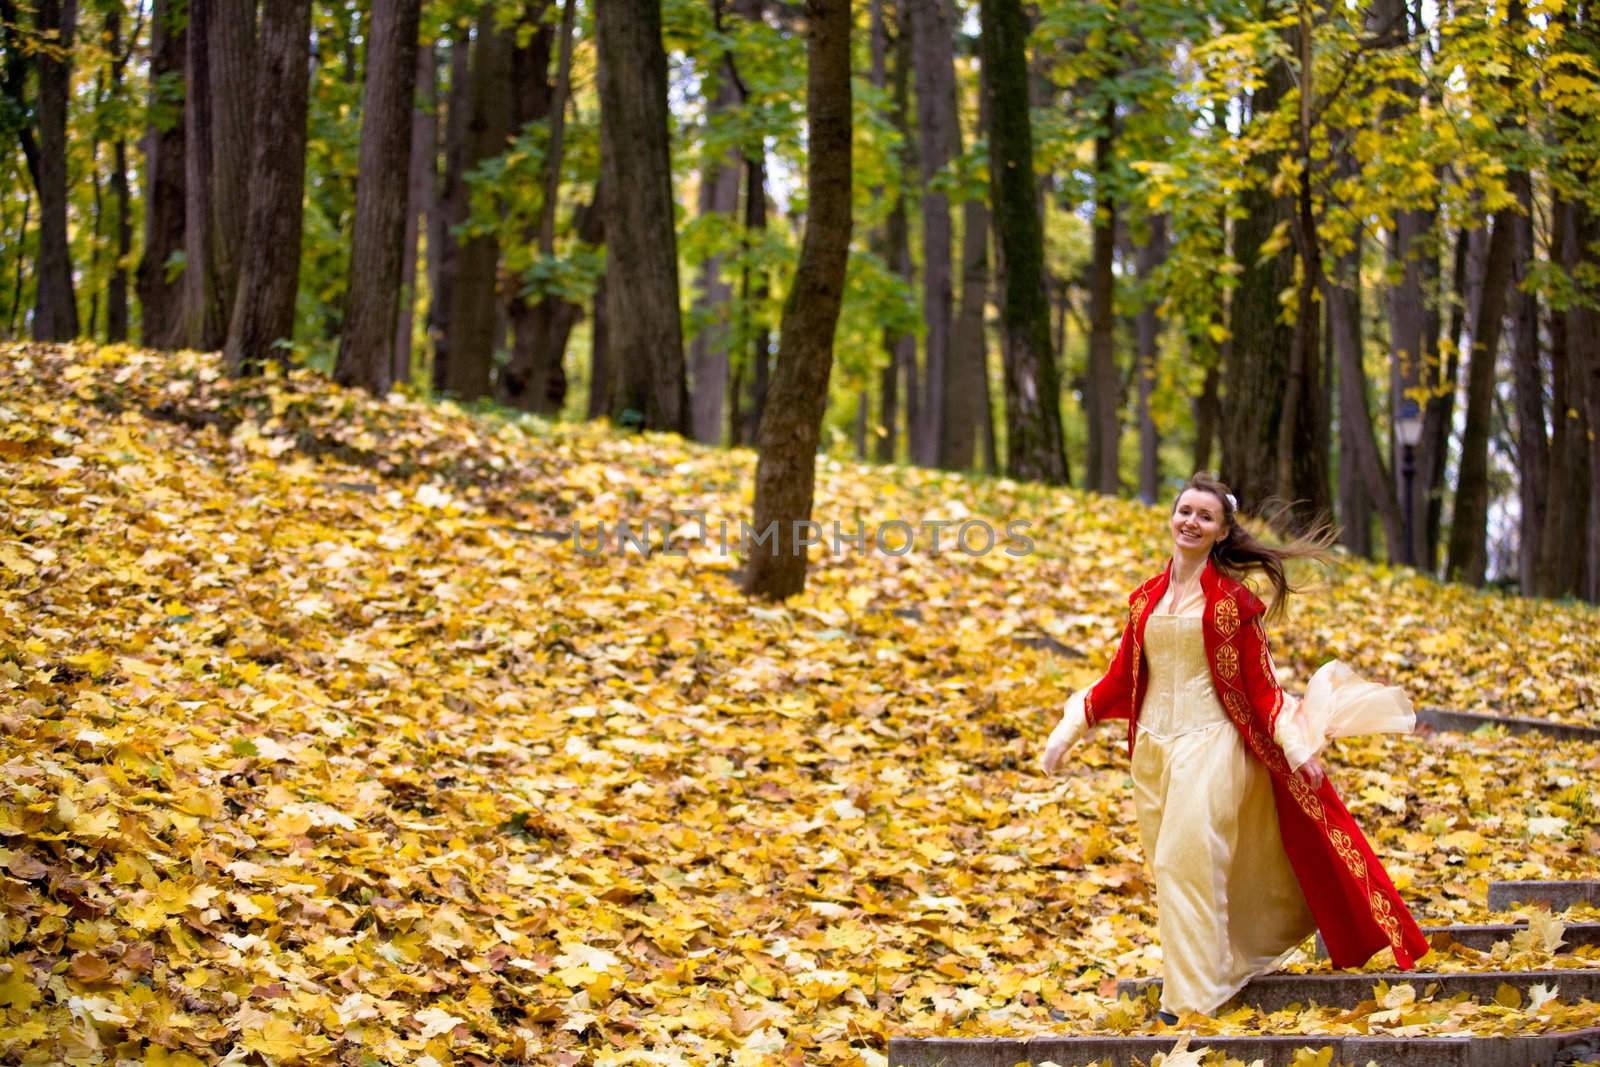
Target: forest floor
x=317, y=748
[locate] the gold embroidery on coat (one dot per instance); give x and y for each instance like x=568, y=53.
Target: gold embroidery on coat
x=1227, y=661
x=1226, y=617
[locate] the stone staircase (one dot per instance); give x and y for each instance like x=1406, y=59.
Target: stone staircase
x=1348, y=989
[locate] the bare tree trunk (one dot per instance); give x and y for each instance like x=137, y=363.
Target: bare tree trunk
x=1033, y=391
x=1565, y=533
x=745, y=425
x=533, y=100
x=1303, y=437
x=161, y=298
x=117, y=284
x=792, y=426
x=1584, y=336
x=1468, y=559
x=708, y=352
x=451, y=210
x=263, y=310
x=366, y=348
x=232, y=47
x=933, y=62
x=1439, y=412
x=473, y=304
x=55, y=308
x=1533, y=446
x=602, y=376
x=965, y=408
x=221, y=36
x=1370, y=480
x=1257, y=368
x=911, y=381
x=535, y=378
x=1147, y=328
x=420, y=177
x=1103, y=388
x=878, y=49
x=642, y=258
x=22, y=267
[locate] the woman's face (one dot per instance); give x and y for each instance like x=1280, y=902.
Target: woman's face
x=1197, y=522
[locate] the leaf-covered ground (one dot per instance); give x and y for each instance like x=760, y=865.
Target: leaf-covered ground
x=317, y=749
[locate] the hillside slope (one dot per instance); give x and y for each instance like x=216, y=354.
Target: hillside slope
x=317, y=747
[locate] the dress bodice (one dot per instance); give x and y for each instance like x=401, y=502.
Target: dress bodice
x=1180, y=696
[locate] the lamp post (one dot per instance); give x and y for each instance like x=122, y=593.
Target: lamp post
x=1409, y=428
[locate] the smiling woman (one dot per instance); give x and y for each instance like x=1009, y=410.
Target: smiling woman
x=1251, y=847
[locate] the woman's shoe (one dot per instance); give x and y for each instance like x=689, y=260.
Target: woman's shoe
x=1167, y=1017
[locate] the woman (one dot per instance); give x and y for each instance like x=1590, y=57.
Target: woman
x=1251, y=847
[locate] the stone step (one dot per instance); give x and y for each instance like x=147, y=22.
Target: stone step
x=1533, y=1050
x=1346, y=989
x=1482, y=936
x=1557, y=896
x=1465, y=722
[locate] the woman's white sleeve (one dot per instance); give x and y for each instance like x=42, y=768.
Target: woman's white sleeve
x=1074, y=717
x=1290, y=735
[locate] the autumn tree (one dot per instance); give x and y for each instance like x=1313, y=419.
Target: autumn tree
x=263, y=307
x=1033, y=419
x=791, y=426
x=159, y=287
x=44, y=149
x=645, y=334
x=366, y=353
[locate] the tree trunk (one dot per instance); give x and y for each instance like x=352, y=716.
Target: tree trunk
x=263, y=310
x=1439, y=412
x=366, y=348
x=878, y=76
x=1103, y=390
x=55, y=307
x=1533, y=446
x=912, y=382
x=232, y=46
x=1370, y=481
x=535, y=378
x=965, y=411
x=1147, y=331
x=473, y=304
x=1583, y=331
x=117, y=284
x=933, y=64
x=533, y=100
x=1468, y=558
x=646, y=335
x=161, y=298
x=790, y=430
x=1566, y=516
x=602, y=377
x=451, y=210
x=420, y=177
x=745, y=425
x=1257, y=365
x=214, y=74
x=1303, y=437
x=708, y=352
x=901, y=347
x=1033, y=391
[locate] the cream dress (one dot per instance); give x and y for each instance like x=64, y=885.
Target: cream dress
x=1228, y=904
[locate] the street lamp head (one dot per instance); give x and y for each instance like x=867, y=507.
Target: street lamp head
x=1409, y=425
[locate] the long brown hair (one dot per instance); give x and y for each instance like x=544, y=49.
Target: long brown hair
x=1238, y=551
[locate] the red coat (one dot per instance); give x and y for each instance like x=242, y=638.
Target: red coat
x=1356, y=906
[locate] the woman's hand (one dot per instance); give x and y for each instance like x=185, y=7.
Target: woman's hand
x=1312, y=773
x=1063, y=737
